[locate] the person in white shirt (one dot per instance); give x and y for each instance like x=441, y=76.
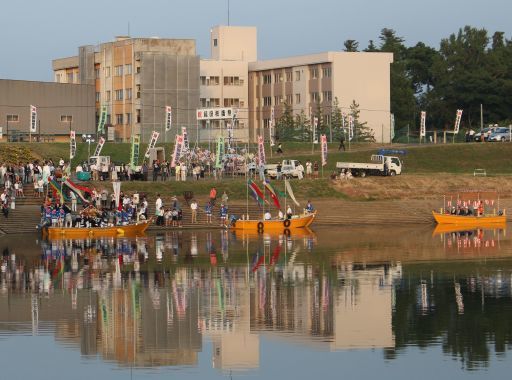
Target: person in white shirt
x=267, y=216
x=280, y=215
x=193, y=208
x=158, y=202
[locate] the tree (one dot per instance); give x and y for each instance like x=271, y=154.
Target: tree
x=303, y=126
x=336, y=120
x=371, y=47
x=285, y=126
x=351, y=45
x=361, y=130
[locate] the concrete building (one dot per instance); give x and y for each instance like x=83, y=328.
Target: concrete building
x=307, y=82
x=60, y=107
x=136, y=78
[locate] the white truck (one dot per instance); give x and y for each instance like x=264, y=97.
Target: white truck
x=380, y=165
x=289, y=169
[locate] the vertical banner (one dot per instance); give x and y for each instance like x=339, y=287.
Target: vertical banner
x=423, y=122
x=168, y=118
x=134, y=153
x=99, y=147
x=178, y=145
x=72, y=145
x=315, y=126
x=33, y=119
x=323, y=142
x=229, y=127
x=102, y=120
x=261, y=151
x=350, y=127
x=186, y=146
x=220, y=152
x=116, y=185
x=457, y=121
x=152, y=143
x=392, y=127
x=271, y=125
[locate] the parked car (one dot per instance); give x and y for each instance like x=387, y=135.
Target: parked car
x=486, y=132
x=500, y=134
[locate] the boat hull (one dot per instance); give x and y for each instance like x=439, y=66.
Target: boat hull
x=85, y=233
x=302, y=221
x=470, y=221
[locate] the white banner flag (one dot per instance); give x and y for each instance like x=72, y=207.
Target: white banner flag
x=323, y=142
x=423, y=124
x=315, y=126
x=261, y=151
x=72, y=145
x=271, y=128
x=168, y=118
x=457, y=121
x=186, y=146
x=99, y=147
x=350, y=127
x=178, y=145
x=392, y=127
x=152, y=143
x=33, y=119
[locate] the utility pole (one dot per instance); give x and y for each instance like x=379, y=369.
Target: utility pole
x=481, y=117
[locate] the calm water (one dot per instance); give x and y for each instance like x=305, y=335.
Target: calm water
x=352, y=303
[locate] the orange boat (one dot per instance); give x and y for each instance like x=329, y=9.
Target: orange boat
x=93, y=232
x=274, y=225
x=469, y=220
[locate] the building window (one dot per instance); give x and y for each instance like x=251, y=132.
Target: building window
x=289, y=99
x=278, y=100
x=297, y=75
x=202, y=79
x=66, y=118
x=70, y=78
x=98, y=94
x=107, y=72
x=266, y=123
x=119, y=118
x=214, y=102
x=215, y=42
x=138, y=115
x=128, y=69
x=315, y=97
x=327, y=95
x=13, y=118
x=297, y=98
x=267, y=101
x=233, y=81
x=57, y=78
x=242, y=104
x=288, y=76
x=314, y=73
x=326, y=72
x=128, y=94
x=267, y=79
x=107, y=96
x=278, y=78
x=119, y=95
x=128, y=118
x=118, y=70
x=138, y=70
x=97, y=73
x=138, y=91
x=327, y=119
x=214, y=81
x=231, y=102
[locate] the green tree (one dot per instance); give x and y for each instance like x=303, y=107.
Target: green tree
x=351, y=45
x=361, y=130
x=303, y=125
x=371, y=47
x=336, y=120
x=285, y=126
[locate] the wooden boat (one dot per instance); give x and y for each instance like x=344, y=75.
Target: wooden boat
x=274, y=225
x=92, y=232
x=469, y=220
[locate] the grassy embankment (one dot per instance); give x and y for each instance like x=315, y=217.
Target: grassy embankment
x=429, y=170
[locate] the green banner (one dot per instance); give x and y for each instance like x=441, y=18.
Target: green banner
x=220, y=152
x=134, y=154
x=102, y=120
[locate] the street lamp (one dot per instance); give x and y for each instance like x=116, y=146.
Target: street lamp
x=88, y=139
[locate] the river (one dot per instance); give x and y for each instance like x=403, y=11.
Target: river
x=338, y=303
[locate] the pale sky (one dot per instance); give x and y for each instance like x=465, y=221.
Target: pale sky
x=33, y=32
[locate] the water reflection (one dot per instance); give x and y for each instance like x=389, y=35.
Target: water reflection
x=155, y=301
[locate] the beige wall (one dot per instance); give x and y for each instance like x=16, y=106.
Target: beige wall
x=234, y=43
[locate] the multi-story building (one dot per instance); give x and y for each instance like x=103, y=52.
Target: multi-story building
x=309, y=82
x=136, y=78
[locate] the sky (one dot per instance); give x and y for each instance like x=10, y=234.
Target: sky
x=33, y=32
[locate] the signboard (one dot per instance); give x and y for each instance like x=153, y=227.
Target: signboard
x=152, y=143
x=168, y=118
x=99, y=147
x=423, y=129
x=33, y=119
x=392, y=129
x=220, y=152
x=350, y=127
x=214, y=113
x=457, y=121
x=135, y=151
x=271, y=128
x=111, y=133
x=261, y=151
x=72, y=145
x=178, y=145
x=323, y=142
x=102, y=120
x=184, y=133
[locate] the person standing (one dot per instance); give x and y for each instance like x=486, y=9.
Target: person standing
x=342, y=143
x=73, y=201
x=208, y=212
x=213, y=195
x=279, y=148
x=308, y=169
x=223, y=212
x=193, y=209
x=225, y=198
x=158, y=204
x=315, y=169
x=289, y=212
